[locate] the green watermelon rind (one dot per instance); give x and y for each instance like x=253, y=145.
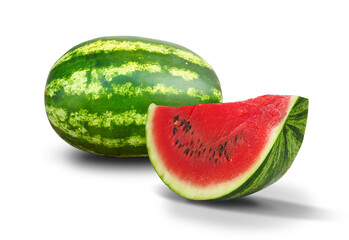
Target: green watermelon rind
x=276, y=159
x=277, y=162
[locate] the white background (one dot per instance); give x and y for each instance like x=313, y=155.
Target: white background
x=49, y=190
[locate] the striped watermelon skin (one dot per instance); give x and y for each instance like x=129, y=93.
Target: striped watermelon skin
x=97, y=94
x=281, y=155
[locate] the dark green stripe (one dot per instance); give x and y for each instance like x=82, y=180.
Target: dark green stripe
x=100, y=149
x=303, y=114
x=298, y=134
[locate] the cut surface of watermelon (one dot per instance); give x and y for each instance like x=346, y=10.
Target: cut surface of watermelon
x=227, y=150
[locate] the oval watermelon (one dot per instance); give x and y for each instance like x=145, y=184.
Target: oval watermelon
x=97, y=94
x=227, y=150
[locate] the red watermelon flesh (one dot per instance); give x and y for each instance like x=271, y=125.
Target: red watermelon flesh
x=198, y=148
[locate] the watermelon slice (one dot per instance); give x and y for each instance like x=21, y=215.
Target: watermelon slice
x=226, y=150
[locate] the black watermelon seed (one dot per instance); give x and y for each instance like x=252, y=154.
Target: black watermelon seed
x=199, y=153
x=201, y=145
x=186, y=151
x=225, y=144
x=236, y=138
x=204, y=150
x=191, y=153
x=210, y=150
x=210, y=159
x=192, y=132
x=220, y=148
x=176, y=141
x=187, y=123
x=179, y=146
x=216, y=160
x=198, y=140
x=174, y=131
x=187, y=128
x=226, y=155
x=182, y=122
x=175, y=120
x=214, y=152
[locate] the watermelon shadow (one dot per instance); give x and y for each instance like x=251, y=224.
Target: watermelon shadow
x=85, y=159
x=246, y=211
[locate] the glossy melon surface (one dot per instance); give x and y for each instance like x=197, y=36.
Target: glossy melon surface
x=97, y=94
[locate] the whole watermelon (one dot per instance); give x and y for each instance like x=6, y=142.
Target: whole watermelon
x=97, y=94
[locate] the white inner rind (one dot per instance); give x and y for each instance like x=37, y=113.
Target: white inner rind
x=196, y=192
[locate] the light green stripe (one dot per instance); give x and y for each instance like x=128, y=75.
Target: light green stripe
x=183, y=73
x=79, y=119
x=123, y=142
x=108, y=46
x=95, y=89
x=77, y=82
x=129, y=89
x=193, y=92
x=58, y=116
x=125, y=69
